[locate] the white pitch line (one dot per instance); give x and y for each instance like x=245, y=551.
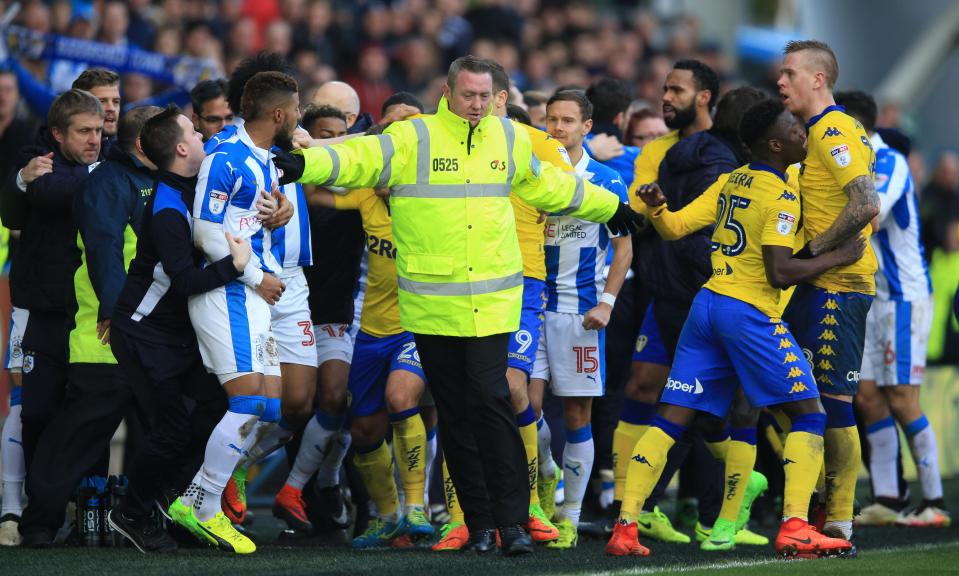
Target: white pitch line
x=758, y=562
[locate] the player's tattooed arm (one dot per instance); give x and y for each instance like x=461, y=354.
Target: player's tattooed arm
x=862, y=207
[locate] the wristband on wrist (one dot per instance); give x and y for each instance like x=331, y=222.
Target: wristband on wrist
x=608, y=299
x=805, y=253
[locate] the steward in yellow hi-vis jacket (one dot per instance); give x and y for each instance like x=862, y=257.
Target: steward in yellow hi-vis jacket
x=460, y=272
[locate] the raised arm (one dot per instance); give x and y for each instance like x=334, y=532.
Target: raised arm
x=696, y=215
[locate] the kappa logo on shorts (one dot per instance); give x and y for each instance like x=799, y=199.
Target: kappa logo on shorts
x=790, y=358
x=641, y=342
x=672, y=384
x=27, y=364
x=795, y=372
x=823, y=379
x=780, y=330
x=830, y=304
x=798, y=387
x=829, y=320
x=784, y=343
x=825, y=350
x=828, y=335
x=825, y=365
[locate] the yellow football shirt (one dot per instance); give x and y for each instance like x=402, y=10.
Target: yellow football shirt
x=837, y=152
x=381, y=309
x=646, y=167
x=529, y=230
x=756, y=208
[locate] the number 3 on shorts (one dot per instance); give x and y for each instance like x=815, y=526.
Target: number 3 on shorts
x=308, y=332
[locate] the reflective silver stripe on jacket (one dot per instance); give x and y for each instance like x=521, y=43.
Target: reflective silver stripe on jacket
x=451, y=190
x=386, y=147
x=461, y=288
x=334, y=168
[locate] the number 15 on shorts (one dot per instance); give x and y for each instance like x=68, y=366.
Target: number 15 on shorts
x=587, y=360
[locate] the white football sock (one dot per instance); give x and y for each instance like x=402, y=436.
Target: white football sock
x=925, y=453
x=329, y=472
x=430, y=456
x=226, y=446
x=14, y=469
x=271, y=436
x=883, y=450
x=577, y=466
x=547, y=467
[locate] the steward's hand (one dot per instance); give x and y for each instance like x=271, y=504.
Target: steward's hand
x=291, y=166
x=625, y=221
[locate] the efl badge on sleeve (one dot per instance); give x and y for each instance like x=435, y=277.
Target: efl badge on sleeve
x=218, y=201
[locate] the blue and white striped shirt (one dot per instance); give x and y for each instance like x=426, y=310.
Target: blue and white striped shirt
x=227, y=190
x=903, y=273
x=576, y=249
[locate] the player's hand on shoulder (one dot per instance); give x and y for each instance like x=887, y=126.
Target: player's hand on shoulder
x=651, y=195
x=37, y=167
x=240, y=251
x=270, y=289
x=605, y=147
x=598, y=317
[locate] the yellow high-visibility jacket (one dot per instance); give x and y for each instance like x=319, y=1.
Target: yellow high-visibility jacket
x=458, y=261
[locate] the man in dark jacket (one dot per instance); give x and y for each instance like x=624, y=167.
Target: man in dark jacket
x=107, y=211
x=153, y=339
x=40, y=278
x=674, y=271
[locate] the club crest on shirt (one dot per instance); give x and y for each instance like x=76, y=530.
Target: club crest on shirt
x=27, y=364
x=218, y=201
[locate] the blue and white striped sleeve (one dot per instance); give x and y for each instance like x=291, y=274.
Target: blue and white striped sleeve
x=892, y=180
x=215, y=183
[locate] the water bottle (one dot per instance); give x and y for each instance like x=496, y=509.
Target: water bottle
x=88, y=513
x=120, y=487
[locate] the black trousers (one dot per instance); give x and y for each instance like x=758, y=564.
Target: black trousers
x=182, y=403
x=621, y=334
x=481, y=443
x=74, y=441
x=45, y=374
x=708, y=482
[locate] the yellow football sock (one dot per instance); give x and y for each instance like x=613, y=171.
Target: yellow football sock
x=452, y=501
x=740, y=459
x=802, y=460
x=376, y=470
x=409, y=445
x=719, y=449
x=646, y=464
x=625, y=438
x=843, y=458
x=531, y=443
